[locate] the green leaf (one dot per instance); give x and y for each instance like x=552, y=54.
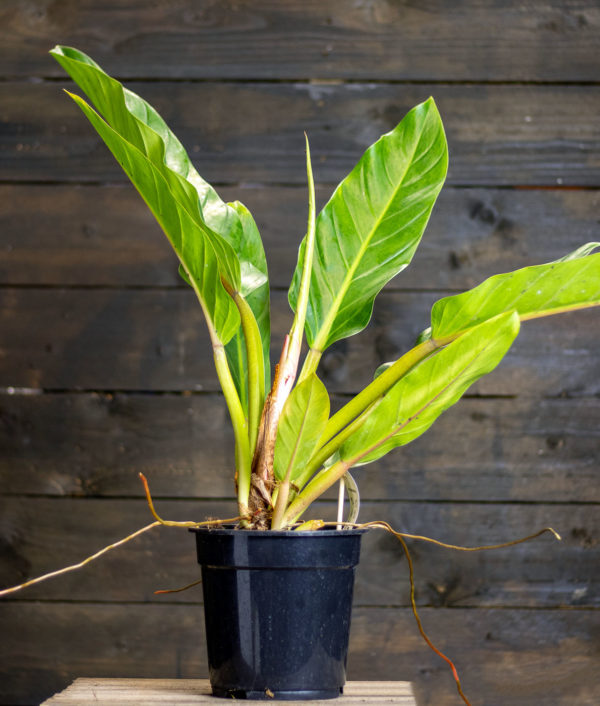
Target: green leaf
x=414, y=403
x=141, y=125
x=193, y=245
x=137, y=122
x=301, y=425
x=573, y=282
x=370, y=228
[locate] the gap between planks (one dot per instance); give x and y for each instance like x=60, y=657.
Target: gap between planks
x=197, y=691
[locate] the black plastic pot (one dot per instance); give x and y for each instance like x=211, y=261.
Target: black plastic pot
x=277, y=607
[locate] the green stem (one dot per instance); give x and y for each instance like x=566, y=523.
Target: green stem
x=379, y=387
x=243, y=459
x=311, y=363
x=240, y=428
x=317, y=486
x=283, y=494
x=256, y=366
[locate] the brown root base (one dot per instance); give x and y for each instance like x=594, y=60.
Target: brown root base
x=259, y=506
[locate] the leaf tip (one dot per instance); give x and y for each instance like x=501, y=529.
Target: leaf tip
x=74, y=96
x=307, y=144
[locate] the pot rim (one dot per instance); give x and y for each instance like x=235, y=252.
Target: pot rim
x=230, y=530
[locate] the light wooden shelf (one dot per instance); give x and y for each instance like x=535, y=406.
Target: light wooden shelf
x=142, y=692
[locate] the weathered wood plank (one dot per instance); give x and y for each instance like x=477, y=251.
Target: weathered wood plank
x=39, y=535
x=155, y=340
x=468, y=40
x=498, y=135
x=73, y=235
x=122, y=692
x=523, y=449
x=524, y=658
x=550, y=655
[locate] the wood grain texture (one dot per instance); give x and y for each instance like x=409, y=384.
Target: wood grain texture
x=86, y=692
x=550, y=656
x=59, y=235
x=524, y=449
x=90, y=301
x=497, y=134
x=155, y=340
x=465, y=40
x=40, y=535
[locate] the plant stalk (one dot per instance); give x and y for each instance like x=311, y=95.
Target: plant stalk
x=378, y=387
x=317, y=486
x=255, y=361
x=240, y=428
x=283, y=495
x=239, y=422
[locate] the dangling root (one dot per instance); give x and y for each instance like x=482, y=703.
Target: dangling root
x=413, y=604
x=384, y=525
x=159, y=521
x=401, y=536
x=171, y=523
x=39, y=579
x=178, y=590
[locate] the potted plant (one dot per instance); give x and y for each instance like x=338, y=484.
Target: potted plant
x=289, y=449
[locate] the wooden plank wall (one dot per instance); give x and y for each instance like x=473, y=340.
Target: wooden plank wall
x=105, y=369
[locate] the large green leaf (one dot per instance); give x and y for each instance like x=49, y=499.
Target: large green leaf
x=140, y=125
x=301, y=425
x=193, y=245
x=371, y=226
x=414, y=403
x=573, y=282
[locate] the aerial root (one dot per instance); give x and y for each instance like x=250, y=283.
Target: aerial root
x=401, y=537
x=158, y=521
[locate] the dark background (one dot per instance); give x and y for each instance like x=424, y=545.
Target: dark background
x=105, y=367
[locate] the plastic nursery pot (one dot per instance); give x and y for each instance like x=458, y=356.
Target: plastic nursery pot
x=277, y=608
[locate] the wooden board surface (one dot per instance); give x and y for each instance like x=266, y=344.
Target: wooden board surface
x=40, y=535
x=466, y=40
x=66, y=235
x=518, y=657
x=78, y=444
x=497, y=134
x=85, y=692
